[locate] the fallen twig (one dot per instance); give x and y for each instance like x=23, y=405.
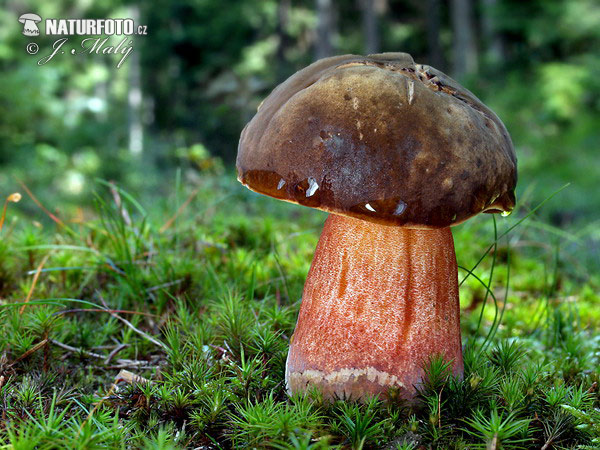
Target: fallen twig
x=121, y=363
x=114, y=352
x=33, y=349
x=132, y=326
x=76, y=350
x=164, y=285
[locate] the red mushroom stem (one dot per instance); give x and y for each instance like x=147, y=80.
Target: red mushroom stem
x=378, y=302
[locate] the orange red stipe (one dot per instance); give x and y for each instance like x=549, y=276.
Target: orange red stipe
x=378, y=302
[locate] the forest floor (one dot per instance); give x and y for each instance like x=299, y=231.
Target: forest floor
x=167, y=325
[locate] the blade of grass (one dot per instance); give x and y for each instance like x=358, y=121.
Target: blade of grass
x=43, y=208
x=520, y=221
x=117, y=199
x=252, y=284
x=280, y=269
x=125, y=194
x=213, y=274
x=61, y=269
x=34, y=282
x=491, y=335
x=51, y=301
x=491, y=272
x=110, y=311
x=107, y=260
x=174, y=217
x=470, y=273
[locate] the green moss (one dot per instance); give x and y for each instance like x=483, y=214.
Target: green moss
x=203, y=311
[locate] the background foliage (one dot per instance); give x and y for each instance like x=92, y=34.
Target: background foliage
x=204, y=67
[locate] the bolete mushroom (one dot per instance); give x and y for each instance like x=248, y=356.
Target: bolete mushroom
x=397, y=152
x=30, y=22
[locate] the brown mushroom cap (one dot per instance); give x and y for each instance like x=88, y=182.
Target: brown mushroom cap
x=382, y=139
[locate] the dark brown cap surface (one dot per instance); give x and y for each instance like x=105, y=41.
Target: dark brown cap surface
x=382, y=139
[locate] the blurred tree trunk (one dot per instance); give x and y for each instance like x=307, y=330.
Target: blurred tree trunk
x=493, y=39
x=433, y=18
x=134, y=96
x=325, y=29
x=370, y=23
x=465, y=50
x=283, y=18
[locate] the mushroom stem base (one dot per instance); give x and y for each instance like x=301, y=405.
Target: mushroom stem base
x=378, y=302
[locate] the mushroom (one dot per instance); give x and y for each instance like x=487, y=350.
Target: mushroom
x=397, y=153
x=30, y=22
